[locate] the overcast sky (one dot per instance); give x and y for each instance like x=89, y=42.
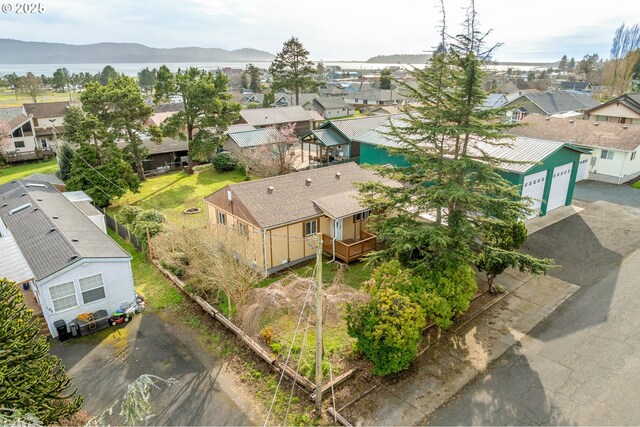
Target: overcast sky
x=537, y=30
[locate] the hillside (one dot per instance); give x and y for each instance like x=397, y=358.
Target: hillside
x=401, y=58
x=21, y=52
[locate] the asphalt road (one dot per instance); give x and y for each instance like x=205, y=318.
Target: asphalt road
x=581, y=365
x=103, y=366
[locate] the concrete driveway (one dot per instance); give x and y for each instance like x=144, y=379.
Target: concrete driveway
x=103, y=365
x=582, y=364
x=592, y=191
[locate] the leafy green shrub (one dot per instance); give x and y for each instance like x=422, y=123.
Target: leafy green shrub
x=128, y=214
x=225, y=162
x=388, y=330
x=151, y=215
x=456, y=285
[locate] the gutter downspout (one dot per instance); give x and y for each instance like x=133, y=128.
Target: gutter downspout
x=264, y=244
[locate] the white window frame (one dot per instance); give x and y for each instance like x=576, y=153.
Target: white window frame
x=312, y=226
x=606, y=154
x=222, y=218
x=104, y=289
x=243, y=229
x=633, y=155
x=53, y=300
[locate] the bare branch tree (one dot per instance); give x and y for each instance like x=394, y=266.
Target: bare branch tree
x=5, y=137
x=277, y=157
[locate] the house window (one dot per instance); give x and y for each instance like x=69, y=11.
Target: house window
x=92, y=288
x=63, y=296
x=633, y=156
x=362, y=216
x=243, y=229
x=606, y=154
x=311, y=227
x=222, y=218
x=18, y=144
x=17, y=133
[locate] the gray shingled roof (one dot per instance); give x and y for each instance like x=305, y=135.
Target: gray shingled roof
x=560, y=101
x=331, y=102
x=256, y=137
x=51, y=233
x=14, y=116
x=278, y=115
x=292, y=198
x=43, y=177
x=581, y=132
x=48, y=109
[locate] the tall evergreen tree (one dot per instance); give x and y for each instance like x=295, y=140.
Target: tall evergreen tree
x=107, y=73
x=450, y=175
x=147, y=78
x=122, y=111
x=208, y=109
x=562, y=65
x=253, y=73
x=65, y=158
x=31, y=380
x=385, y=79
x=292, y=69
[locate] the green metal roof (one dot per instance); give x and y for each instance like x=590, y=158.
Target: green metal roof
x=329, y=137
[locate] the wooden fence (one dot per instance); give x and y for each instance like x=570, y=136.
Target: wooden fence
x=122, y=230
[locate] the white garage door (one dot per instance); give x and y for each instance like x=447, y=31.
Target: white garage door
x=583, y=168
x=533, y=186
x=559, y=186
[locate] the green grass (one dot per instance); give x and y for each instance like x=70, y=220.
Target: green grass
x=9, y=173
x=173, y=193
x=353, y=274
x=636, y=185
x=8, y=98
x=159, y=293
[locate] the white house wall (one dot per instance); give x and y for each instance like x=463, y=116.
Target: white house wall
x=118, y=286
x=608, y=170
x=13, y=266
x=632, y=167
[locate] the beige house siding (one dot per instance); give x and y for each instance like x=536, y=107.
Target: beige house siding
x=613, y=112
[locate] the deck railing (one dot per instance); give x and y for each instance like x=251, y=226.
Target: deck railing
x=22, y=156
x=348, y=252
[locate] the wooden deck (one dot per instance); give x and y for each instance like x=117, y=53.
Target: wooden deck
x=350, y=250
x=25, y=156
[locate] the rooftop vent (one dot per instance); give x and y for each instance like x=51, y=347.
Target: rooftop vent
x=338, y=175
x=39, y=200
x=36, y=209
x=624, y=126
x=4, y=205
x=271, y=188
x=51, y=230
x=308, y=181
x=73, y=257
x=19, y=208
x=74, y=240
x=547, y=118
x=595, y=123
x=572, y=121
x=54, y=217
x=35, y=185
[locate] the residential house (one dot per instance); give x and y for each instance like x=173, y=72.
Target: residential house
x=334, y=140
x=70, y=265
x=282, y=99
x=373, y=98
x=614, y=147
x=305, y=120
x=23, y=145
x=495, y=100
x=274, y=221
x=48, y=121
x=82, y=201
x=516, y=85
x=545, y=170
x=163, y=112
x=547, y=103
x=329, y=107
x=169, y=154
x=624, y=109
x=576, y=86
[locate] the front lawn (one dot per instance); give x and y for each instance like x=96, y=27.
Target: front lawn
x=174, y=192
x=9, y=173
x=636, y=185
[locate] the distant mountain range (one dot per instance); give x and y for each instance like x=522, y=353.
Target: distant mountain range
x=400, y=58
x=21, y=52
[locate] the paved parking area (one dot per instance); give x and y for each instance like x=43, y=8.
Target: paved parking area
x=592, y=191
x=102, y=366
x=581, y=364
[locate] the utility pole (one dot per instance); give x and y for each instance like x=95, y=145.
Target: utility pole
x=319, y=324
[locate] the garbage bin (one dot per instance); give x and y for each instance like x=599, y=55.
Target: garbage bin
x=61, y=329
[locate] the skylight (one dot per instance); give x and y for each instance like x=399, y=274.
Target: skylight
x=19, y=208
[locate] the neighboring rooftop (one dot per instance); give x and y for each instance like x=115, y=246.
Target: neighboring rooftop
x=283, y=199
x=330, y=102
x=559, y=101
x=631, y=101
x=48, y=109
x=353, y=127
x=278, y=115
x=50, y=231
x=581, y=132
x=169, y=107
x=14, y=116
x=42, y=177
x=256, y=137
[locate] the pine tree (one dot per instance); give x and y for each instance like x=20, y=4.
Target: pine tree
x=450, y=175
x=65, y=155
x=208, y=109
x=32, y=381
x=385, y=79
x=292, y=69
x=562, y=65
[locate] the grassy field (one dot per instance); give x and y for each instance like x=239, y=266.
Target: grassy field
x=636, y=185
x=10, y=173
x=8, y=98
x=173, y=193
